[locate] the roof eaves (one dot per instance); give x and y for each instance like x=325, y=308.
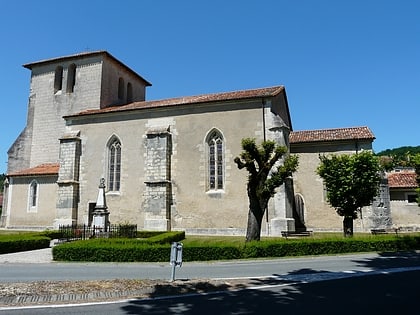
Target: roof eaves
x=187, y=100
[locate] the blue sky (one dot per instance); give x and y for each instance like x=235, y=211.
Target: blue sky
x=343, y=63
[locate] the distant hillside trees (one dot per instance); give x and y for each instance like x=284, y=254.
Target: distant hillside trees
x=402, y=157
x=398, y=157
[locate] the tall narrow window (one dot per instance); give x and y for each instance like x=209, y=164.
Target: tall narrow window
x=129, y=92
x=58, y=79
x=71, y=78
x=114, y=165
x=121, y=89
x=33, y=196
x=215, y=160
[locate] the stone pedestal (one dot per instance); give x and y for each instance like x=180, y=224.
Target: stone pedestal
x=283, y=209
x=101, y=213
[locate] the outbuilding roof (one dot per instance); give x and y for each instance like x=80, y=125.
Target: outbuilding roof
x=324, y=135
x=43, y=169
x=403, y=179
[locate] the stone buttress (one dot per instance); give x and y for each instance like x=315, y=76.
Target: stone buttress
x=157, y=198
x=68, y=180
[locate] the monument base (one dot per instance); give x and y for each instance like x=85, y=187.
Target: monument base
x=278, y=225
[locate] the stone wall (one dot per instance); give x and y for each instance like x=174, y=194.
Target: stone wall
x=68, y=180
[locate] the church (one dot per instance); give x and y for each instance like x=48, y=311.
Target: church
x=166, y=164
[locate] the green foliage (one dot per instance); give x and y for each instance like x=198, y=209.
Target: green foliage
x=400, y=151
x=154, y=248
x=111, y=250
x=399, y=157
x=129, y=250
x=259, y=162
x=167, y=237
x=351, y=181
x=266, y=173
x=12, y=243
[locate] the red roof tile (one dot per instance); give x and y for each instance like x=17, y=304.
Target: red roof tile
x=402, y=180
x=43, y=169
x=323, y=135
x=187, y=100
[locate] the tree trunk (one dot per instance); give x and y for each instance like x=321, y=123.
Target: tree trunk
x=255, y=216
x=348, y=226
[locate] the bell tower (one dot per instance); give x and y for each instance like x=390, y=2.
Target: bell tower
x=66, y=86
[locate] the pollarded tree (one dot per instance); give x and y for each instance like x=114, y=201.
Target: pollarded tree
x=352, y=181
x=266, y=173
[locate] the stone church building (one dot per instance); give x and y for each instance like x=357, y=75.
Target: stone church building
x=167, y=164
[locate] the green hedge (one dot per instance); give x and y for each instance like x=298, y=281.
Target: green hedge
x=22, y=242
x=129, y=250
x=154, y=248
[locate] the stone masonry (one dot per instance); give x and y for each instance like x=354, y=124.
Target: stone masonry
x=157, y=197
x=68, y=180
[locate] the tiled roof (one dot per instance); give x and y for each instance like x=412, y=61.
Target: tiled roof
x=204, y=98
x=323, y=135
x=402, y=180
x=43, y=169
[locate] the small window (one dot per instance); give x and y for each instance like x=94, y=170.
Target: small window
x=114, y=165
x=121, y=89
x=71, y=78
x=215, y=160
x=129, y=93
x=58, y=79
x=33, y=196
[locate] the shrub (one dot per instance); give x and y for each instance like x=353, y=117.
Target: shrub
x=157, y=248
x=22, y=242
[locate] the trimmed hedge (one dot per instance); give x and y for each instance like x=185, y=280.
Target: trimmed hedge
x=129, y=250
x=22, y=242
x=155, y=248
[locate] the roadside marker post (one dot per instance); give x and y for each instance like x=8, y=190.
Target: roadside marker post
x=176, y=257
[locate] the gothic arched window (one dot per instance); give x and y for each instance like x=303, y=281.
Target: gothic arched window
x=114, y=165
x=215, y=160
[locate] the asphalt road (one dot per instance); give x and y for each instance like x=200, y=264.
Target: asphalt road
x=24, y=272
x=377, y=293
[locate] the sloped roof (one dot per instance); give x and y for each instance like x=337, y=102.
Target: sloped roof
x=187, y=100
x=325, y=135
x=402, y=180
x=81, y=55
x=43, y=169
